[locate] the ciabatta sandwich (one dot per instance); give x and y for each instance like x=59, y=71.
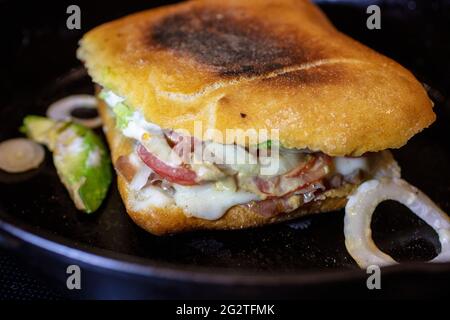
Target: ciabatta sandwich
x=290, y=115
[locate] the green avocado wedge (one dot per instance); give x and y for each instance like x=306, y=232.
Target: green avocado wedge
x=80, y=157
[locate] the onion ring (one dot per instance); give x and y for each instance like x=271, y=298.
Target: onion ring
x=20, y=155
x=61, y=110
x=362, y=204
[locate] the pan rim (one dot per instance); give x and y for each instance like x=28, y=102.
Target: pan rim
x=94, y=257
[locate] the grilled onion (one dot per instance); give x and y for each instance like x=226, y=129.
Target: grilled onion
x=20, y=155
x=362, y=204
x=62, y=110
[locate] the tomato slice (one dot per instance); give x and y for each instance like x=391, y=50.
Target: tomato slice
x=179, y=175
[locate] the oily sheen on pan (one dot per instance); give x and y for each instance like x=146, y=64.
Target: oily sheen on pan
x=167, y=77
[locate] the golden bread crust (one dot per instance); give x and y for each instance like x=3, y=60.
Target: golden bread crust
x=160, y=221
x=258, y=64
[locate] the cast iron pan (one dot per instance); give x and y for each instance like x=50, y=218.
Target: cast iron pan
x=303, y=258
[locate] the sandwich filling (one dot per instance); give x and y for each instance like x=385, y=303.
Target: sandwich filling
x=165, y=169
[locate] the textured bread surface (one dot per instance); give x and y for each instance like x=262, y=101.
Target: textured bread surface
x=160, y=221
x=258, y=64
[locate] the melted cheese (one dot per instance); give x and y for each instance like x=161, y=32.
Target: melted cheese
x=140, y=179
x=345, y=166
x=111, y=98
x=133, y=131
x=137, y=126
x=149, y=197
x=206, y=202
x=282, y=164
x=231, y=156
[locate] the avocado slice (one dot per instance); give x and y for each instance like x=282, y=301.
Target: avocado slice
x=42, y=130
x=80, y=157
x=122, y=112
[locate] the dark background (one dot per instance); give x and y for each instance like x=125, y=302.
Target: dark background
x=36, y=46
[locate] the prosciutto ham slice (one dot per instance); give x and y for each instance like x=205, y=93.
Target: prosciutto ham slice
x=308, y=172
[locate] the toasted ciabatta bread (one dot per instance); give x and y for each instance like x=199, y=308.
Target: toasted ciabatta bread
x=258, y=64
x=160, y=221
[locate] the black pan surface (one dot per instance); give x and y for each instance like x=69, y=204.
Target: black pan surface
x=306, y=257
